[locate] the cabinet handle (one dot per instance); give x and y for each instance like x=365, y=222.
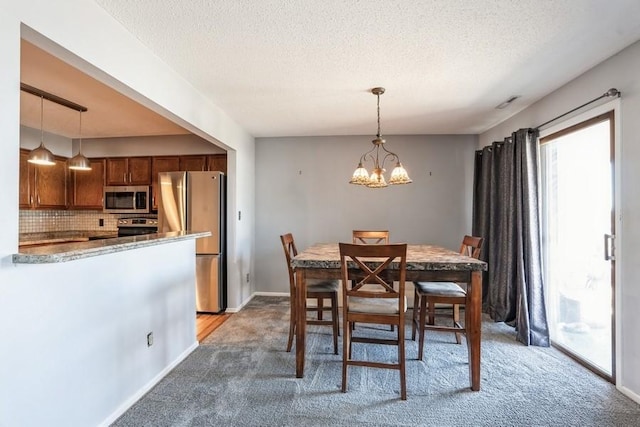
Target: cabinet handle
x=38, y=200
x=31, y=200
x=124, y=177
x=129, y=177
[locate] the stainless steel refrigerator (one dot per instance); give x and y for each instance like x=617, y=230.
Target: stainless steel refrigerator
x=196, y=201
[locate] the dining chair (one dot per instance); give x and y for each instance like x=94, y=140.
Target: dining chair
x=371, y=237
x=446, y=295
x=365, y=266
x=317, y=290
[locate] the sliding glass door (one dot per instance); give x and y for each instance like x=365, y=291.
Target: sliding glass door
x=578, y=229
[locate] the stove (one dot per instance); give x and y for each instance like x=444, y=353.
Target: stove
x=137, y=226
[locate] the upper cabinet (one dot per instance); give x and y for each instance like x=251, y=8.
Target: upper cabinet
x=193, y=163
x=129, y=171
x=85, y=190
x=43, y=187
x=211, y=162
x=217, y=162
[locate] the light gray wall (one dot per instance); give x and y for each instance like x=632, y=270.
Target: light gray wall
x=302, y=187
x=622, y=72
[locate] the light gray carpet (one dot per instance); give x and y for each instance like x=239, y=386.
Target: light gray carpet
x=241, y=376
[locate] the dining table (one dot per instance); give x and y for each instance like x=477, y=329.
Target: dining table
x=424, y=263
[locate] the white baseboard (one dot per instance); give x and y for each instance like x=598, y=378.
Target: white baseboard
x=144, y=390
x=630, y=394
x=271, y=294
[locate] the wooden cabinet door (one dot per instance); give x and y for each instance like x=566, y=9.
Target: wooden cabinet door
x=26, y=181
x=86, y=189
x=193, y=163
x=139, y=171
x=51, y=185
x=161, y=164
x=217, y=162
x=118, y=171
x=129, y=171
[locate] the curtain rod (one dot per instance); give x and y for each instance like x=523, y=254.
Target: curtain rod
x=51, y=97
x=611, y=92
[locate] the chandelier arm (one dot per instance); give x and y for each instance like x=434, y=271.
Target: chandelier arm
x=369, y=155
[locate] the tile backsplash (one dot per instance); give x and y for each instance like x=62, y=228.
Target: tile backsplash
x=32, y=221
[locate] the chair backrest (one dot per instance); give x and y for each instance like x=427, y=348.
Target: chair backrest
x=371, y=237
x=367, y=266
x=290, y=251
x=471, y=246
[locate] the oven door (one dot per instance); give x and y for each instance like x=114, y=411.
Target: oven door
x=136, y=231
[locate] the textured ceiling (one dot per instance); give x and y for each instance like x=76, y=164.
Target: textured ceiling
x=305, y=67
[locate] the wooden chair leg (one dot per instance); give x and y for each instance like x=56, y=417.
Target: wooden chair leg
x=456, y=321
x=432, y=312
x=292, y=324
x=423, y=320
x=402, y=360
x=320, y=305
x=414, y=320
x=346, y=353
x=336, y=323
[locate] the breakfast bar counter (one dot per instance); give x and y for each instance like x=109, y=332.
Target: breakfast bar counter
x=77, y=250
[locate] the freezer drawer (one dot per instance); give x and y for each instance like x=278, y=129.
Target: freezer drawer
x=209, y=288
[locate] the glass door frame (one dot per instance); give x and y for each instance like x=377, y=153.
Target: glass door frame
x=567, y=126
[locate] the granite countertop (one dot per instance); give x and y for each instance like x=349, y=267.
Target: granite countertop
x=419, y=257
x=70, y=251
x=53, y=237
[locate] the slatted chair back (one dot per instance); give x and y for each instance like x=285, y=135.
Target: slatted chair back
x=371, y=237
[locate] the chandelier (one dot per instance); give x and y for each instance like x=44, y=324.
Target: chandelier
x=376, y=179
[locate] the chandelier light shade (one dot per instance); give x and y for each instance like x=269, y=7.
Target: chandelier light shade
x=376, y=179
x=80, y=162
x=40, y=155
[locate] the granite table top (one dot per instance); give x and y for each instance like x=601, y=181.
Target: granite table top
x=77, y=250
x=419, y=257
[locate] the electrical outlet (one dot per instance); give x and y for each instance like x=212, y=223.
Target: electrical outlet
x=149, y=339
x=101, y=222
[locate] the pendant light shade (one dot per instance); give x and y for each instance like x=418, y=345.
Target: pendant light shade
x=378, y=155
x=80, y=162
x=40, y=155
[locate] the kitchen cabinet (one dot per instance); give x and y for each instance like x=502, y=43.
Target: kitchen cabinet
x=161, y=164
x=217, y=162
x=128, y=171
x=211, y=162
x=85, y=189
x=43, y=187
x=193, y=163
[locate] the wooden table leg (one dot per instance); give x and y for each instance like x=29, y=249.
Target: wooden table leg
x=473, y=324
x=301, y=320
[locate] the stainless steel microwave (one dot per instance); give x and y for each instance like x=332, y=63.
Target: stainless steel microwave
x=126, y=199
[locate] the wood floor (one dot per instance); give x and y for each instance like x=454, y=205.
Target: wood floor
x=207, y=323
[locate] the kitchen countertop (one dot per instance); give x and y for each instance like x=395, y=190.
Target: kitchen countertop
x=51, y=237
x=77, y=250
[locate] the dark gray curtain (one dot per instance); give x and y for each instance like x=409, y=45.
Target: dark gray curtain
x=505, y=213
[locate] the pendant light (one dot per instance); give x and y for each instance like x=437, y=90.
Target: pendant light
x=80, y=162
x=376, y=179
x=40, y=155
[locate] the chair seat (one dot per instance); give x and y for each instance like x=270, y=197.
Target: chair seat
x=375, y=306
x=323, y=286
x=448, y=289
